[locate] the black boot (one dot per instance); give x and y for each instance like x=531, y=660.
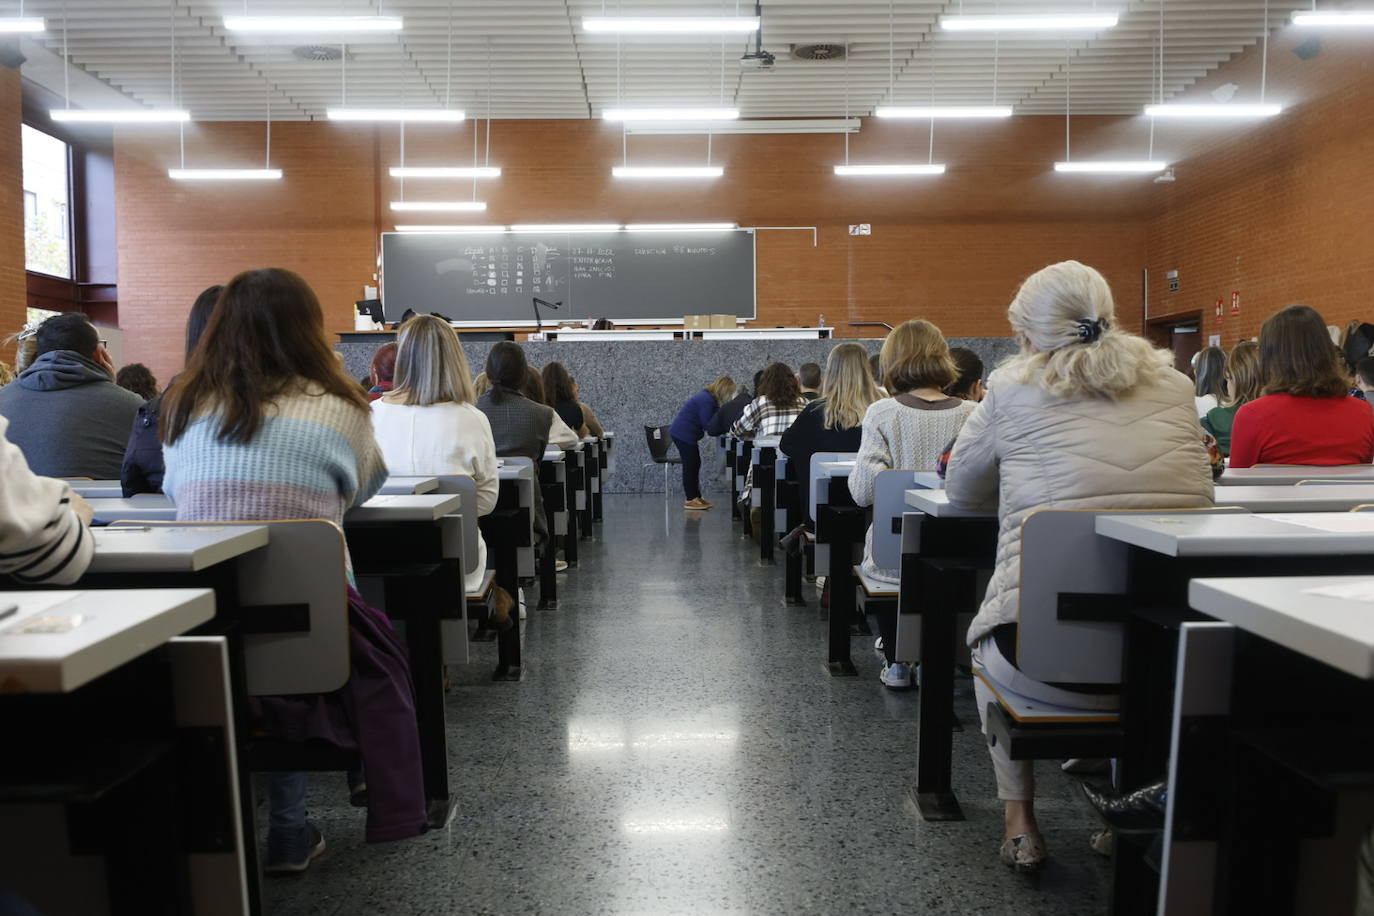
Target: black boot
x=1140, y=811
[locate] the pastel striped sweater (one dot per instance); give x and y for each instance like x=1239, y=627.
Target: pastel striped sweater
x=313, y=457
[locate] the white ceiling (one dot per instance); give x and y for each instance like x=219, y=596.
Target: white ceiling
x=543, y=65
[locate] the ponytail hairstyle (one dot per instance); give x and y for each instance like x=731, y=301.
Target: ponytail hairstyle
x=1070, y=346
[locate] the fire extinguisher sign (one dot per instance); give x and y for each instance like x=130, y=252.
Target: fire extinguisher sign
x=1218, y=312
x=1235, y=303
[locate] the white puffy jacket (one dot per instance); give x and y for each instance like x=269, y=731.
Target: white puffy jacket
x=1026, y=449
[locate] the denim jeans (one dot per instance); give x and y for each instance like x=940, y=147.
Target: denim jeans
x=285, y=803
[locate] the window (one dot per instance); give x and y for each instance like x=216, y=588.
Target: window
x=47, y=231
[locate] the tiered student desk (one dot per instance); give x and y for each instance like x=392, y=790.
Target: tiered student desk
x=509, y=533
x=127, y=736
x=840, y=529
x=553, y=489
x=408, y=486
x=1289, y=475
x=763, y=459
x=95, y=489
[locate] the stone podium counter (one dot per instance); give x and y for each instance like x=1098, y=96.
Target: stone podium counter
x=633, y=384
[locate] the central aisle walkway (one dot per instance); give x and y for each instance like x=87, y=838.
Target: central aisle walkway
x=676, y=747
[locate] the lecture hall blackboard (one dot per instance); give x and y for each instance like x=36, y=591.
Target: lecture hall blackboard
x=490, y=278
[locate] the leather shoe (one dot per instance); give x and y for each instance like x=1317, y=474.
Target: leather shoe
x=1141, y=811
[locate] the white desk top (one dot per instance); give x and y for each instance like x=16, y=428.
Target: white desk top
x=935, y=503
x=1281, y=476
x=1333, y=498
x=515, y=472
x=1335, y=631
x=834, y=468
x=1243, y=535
x=553, y=454
x=929, y=480
x=178, y=548
x=768, y=442
x=96, y=489
x=108, y=628
x=429, y=507
x=145, y=507
x=409, y=486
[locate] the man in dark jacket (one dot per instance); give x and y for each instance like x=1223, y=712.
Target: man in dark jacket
x=729, y=411
x=65, y=412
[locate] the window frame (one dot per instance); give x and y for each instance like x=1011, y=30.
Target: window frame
x=69, y=222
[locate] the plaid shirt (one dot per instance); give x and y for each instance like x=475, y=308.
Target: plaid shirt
x=764, y=418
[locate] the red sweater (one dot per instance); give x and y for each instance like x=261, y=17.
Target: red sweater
x=1286, y=429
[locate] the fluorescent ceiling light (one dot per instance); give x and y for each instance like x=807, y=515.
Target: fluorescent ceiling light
x=667, y=171
x=314, y=23
x=479, y=172
x=394, y=114
x=748, y=126
x=11, y=24
x=224, y=174
x=1228, y=110
x=943, y=111
x=439, y=206
x=681, y=227
x=1110, y=166
x=1333, y=17
x=1034, y=22
x=451, y=228
x=567, y=227
x=120, y=115
x=671, y=25
x=670, y=114
x=933, y=168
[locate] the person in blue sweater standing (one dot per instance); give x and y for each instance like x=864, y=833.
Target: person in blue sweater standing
x=687, y=429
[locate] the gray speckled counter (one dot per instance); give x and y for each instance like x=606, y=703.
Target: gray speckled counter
x=633, y=384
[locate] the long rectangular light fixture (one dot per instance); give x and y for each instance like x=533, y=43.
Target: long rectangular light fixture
x=439, y=206
x=120, y=115
x=12, y=24
x=1110, y=166
x=943, y=111
x=670, y=114
x=1334, y=17
x=1032, y=22
x=566, y=227
x=681, y=227
x=395, y=114
x=314, y=23
x=464, y=172
x=1213, y=110
x=224, y=174
x=748, y=126
x=667, y=171
x=671, y=25
x=915, y=168
x=452, y=228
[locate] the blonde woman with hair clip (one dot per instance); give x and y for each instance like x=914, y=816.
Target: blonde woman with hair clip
x=427, y=425
x=1086, y=416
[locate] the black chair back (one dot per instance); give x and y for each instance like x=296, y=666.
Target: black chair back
x=659, y=442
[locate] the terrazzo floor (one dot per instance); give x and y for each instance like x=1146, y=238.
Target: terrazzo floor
x=676, y=747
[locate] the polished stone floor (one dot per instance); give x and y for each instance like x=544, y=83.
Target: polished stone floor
x=675, y=747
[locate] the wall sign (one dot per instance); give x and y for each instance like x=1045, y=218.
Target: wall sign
x=1219, y=308
x=861, y=229
x=1235, y=303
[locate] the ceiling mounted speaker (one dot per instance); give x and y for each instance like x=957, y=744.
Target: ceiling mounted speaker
x=317, y=52
x=824, y=50
x=1309, y=48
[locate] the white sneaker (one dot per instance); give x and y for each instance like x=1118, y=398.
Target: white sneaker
x=878, y=648
x=560, y=565
x=896, y=675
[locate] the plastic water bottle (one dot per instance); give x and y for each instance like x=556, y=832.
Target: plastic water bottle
x=820, y=322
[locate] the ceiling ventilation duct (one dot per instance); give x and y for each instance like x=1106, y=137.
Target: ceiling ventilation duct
x=823, y=50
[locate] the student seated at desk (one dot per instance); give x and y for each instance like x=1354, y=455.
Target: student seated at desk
x=1209, y=385
x=779, y=402
x=591, y=424
x=264, y=425
x=1306, y=415
x=1085, y=417
x=561, y=435
x=1242, y=387
x=809, y=378
x=834, y=421
x=687, y=429
x=43, y=536
x=521, y=425
x=1364, y=379
x=143, y=466
x=139, y=379
x=66, y=413
x=559, y=394
x=908, y=430
x=382, y=372
x=427, y=425
x=969, y=385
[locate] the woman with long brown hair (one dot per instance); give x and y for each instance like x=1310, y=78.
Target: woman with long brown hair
x=264, y=425
x=1306, y=415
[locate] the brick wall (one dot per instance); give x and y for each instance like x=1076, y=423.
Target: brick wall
x=952, y=249
x=13, y=292
x=1279, y=211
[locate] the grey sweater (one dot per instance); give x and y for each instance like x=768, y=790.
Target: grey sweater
x=68, y=418
x=519, y=428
